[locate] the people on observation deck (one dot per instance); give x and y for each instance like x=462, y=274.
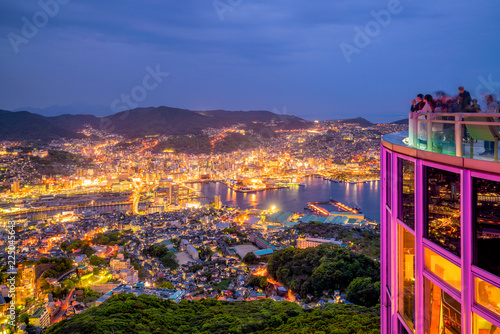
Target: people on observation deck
x=418, y=104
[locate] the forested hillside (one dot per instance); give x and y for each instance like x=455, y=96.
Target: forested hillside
x=126, y=314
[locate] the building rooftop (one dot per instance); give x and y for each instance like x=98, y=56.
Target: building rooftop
x=261, y=252
x=38, y=313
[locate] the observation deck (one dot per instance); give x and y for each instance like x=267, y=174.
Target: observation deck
x=456, y=139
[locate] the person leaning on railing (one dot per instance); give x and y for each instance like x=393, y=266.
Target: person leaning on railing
x=429, y=105
x=491, y=108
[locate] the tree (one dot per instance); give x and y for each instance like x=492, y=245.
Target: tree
x=75, y=244
x=258, y=281
x=125, y=313
x=50, y=273
x=325, y=267
x=25, y=318
x=95, y=271
x=96, y=261
x=205, y=253
x=43, y=284
x=63, y=246
x=363, y=291
x=58, y=292
x=250, y=258
x=68, y=284
x=166, y=285
x=167, y=258
x=87, y=250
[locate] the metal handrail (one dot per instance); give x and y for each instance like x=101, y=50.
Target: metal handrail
x=416, y=118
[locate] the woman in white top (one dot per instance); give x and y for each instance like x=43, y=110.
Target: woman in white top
x=429, y=106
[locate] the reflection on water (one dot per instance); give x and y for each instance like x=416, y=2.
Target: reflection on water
x=295, y=198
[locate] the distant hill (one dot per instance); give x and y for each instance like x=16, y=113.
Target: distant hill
x=401, y=121
x=23, y=125
x=166, y=120
x=358, y=120
x=76, y=122
x=72, y=109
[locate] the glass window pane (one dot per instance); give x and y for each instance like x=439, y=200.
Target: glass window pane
x=406, y=293
x=388, y=178
x=483, y=326
x=442, y=268
x=487, y=295
x=443, y=209
x=402, y=329
x=442, y=312
x=487, y=225
x=407, y=192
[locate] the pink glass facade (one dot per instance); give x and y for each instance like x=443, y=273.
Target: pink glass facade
x=440, y=232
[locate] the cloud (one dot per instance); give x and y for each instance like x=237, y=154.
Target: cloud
x=264, y=54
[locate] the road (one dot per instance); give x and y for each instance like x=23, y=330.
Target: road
x=59, y=316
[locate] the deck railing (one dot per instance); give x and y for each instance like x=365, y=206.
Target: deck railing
x=447, y=133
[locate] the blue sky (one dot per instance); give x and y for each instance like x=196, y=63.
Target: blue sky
x=282, y=55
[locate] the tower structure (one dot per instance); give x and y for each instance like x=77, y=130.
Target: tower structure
x=440, y=229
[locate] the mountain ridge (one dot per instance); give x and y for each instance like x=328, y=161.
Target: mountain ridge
x=138, y=122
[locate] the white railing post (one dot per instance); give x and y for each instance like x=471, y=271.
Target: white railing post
x=415, y=129
x=429, y=132
x=412, y=129
x=458, y=136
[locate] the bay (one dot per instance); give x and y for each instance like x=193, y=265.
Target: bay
x=294, y=199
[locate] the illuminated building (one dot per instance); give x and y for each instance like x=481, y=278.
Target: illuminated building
x=41, y=318
x=313, y=242
x=217, y=202
x=27, y=284
x=440, y=233
x=15, y=188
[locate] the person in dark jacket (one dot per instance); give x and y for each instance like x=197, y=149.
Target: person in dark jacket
x=418, y=104
x=464, y=99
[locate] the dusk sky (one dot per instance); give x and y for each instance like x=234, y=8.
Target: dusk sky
x=318, y=59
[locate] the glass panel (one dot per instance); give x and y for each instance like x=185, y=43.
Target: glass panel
x=487, y=295
x=407, y=192
x=483, y=326
x=443, y=209
x=402, y=329
x=443, y=135
x=442, y=312
x=477, y=148
x=388, y=178
x=422, y=132
x=406, y=293
x=443, y=269
x=487, y=225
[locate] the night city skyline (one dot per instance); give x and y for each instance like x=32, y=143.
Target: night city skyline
x=249, y=166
